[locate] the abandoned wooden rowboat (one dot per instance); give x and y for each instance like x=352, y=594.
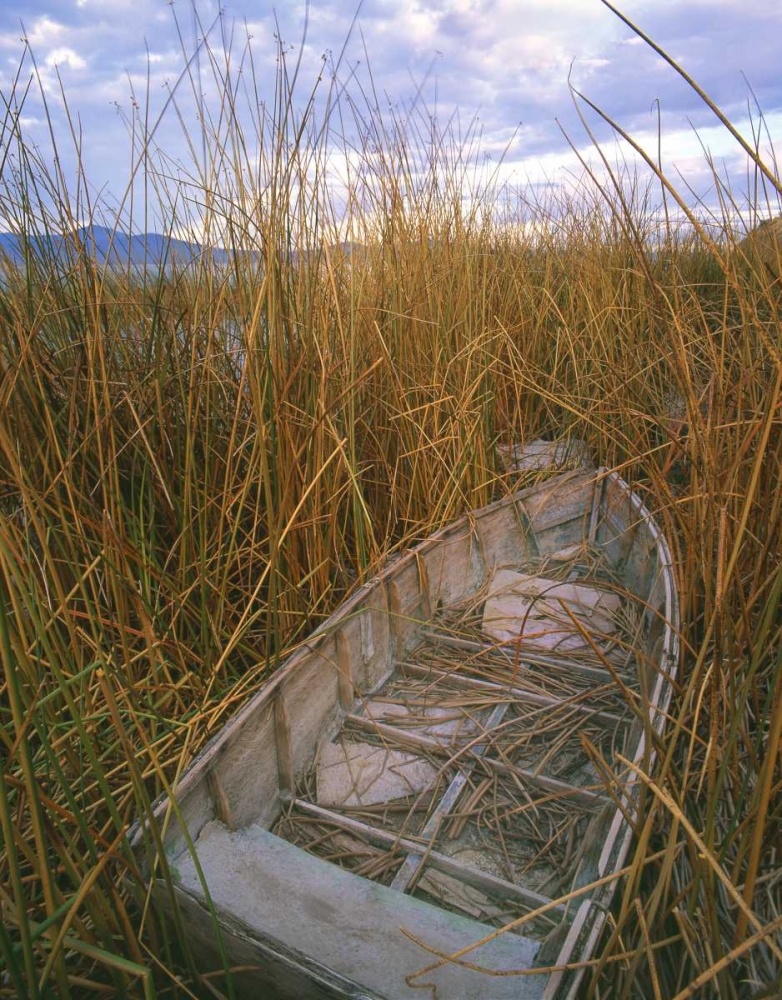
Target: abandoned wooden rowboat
x=450, y=753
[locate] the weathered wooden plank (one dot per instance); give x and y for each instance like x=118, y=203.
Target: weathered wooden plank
x=597, y=500
x=566, y=498
x=452, y=566
x=502, y=537
x=407, y=873
x=282, y=729
x=311, y=696
x=346, y=658
x=514, y=655
x=390, y=734
x=264, y=967
x=490, y=884
x=406, y=604
x=364, y=645
x=619, y=524
x=518, y=694
x=244, y=775
x=341, y=928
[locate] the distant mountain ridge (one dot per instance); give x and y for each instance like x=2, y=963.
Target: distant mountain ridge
x=115, y=249
x=144, y=251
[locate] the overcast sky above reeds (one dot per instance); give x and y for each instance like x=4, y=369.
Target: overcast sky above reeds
x=507, y=60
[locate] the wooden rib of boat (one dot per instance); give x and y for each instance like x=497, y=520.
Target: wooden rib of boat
x=441, y=759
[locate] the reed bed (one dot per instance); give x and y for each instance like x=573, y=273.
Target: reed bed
x=197, y=463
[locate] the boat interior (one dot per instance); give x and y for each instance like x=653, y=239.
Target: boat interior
x=454, y=752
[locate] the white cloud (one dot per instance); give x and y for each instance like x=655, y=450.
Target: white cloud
x=594, y=63
x=45, y=33
x=684, y=157
x=65, y=57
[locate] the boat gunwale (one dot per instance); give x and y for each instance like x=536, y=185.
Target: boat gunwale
x=615, y=850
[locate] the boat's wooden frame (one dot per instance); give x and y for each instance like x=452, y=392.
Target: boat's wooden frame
x=248, y=772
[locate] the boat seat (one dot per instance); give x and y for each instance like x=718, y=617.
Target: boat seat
x=348, y=924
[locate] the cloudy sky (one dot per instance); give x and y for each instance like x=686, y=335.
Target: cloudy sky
x=506, y=60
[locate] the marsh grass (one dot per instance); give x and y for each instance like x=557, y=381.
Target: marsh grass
x=197, y=464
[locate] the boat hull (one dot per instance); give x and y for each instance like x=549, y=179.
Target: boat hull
x=303, y=942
